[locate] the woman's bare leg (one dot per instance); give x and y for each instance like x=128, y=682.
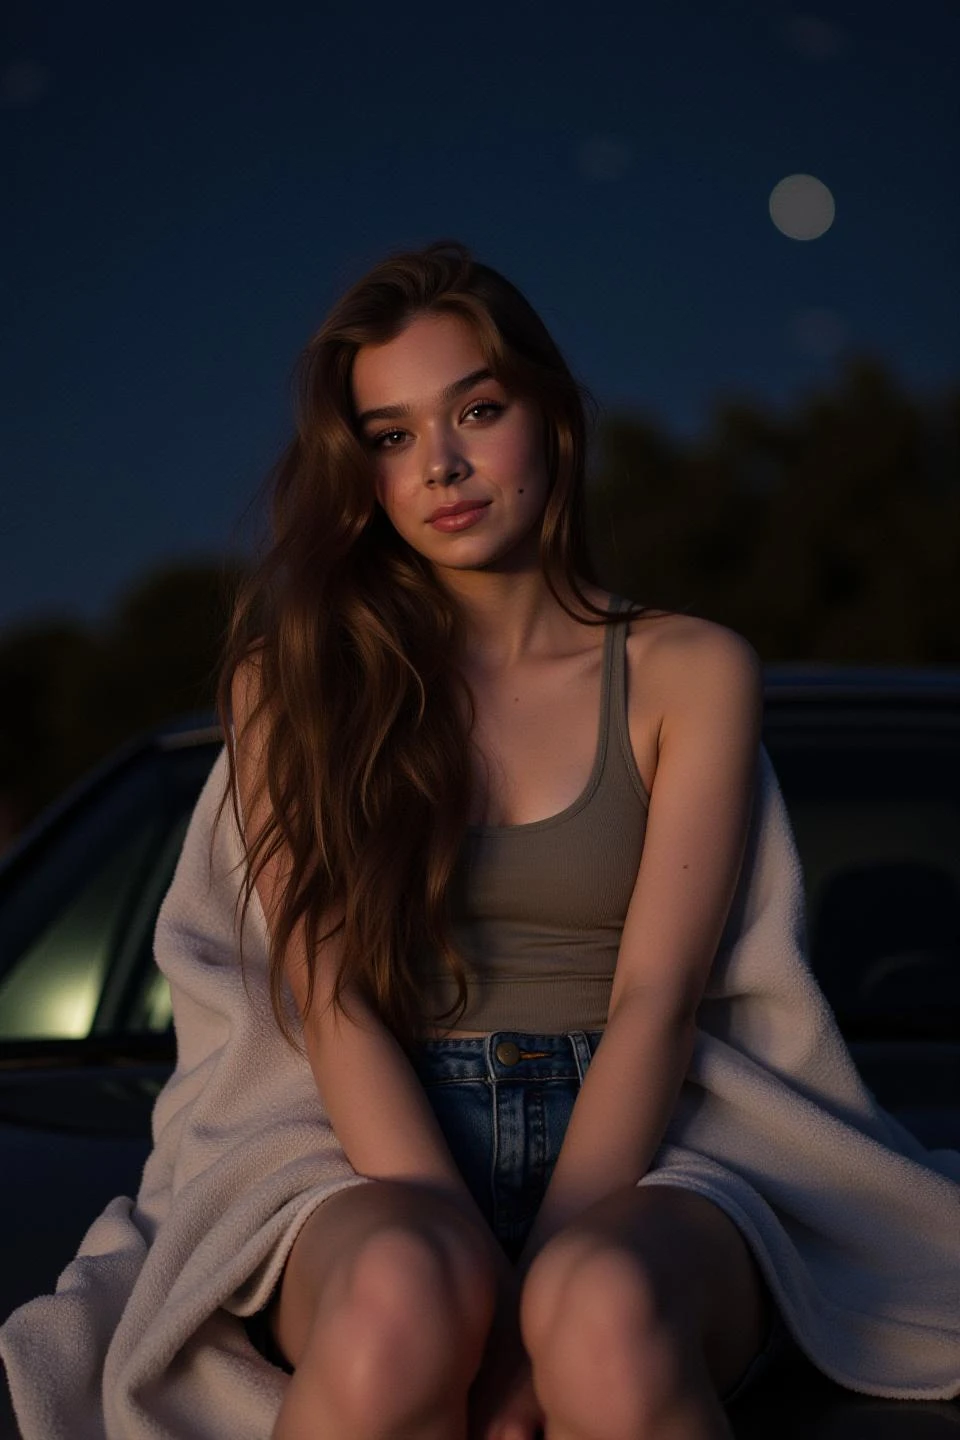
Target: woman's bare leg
x=384, y=1310
x=639, y=1315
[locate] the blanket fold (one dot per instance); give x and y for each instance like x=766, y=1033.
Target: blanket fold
x=855, y=1225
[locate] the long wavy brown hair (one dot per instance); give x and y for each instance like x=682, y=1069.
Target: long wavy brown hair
x=366, y=753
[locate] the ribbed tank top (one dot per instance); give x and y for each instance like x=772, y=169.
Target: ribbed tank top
x=538, y=909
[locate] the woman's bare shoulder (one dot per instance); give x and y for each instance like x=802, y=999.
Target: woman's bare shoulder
x=246, y=687
x=673, y=657
x=678, y=633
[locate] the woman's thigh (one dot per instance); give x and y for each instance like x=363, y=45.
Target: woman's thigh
x=318, y=1268
x=683, y=1250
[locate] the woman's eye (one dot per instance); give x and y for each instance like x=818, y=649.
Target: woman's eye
x=379, y=442
x=484, y=405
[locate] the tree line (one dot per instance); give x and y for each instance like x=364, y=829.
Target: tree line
x=828, y=531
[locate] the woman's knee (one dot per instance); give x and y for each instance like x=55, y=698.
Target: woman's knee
x=403, y=1276
x=407, y=1289
x=606, y=1292
x=614, y=1338
x=399, y=1325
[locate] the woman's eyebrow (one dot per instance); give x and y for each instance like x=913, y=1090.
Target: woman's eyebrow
x=449, y=392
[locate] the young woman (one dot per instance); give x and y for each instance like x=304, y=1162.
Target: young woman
x=505, y=1100
x=378, y=648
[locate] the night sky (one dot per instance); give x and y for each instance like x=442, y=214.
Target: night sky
x=190, y=187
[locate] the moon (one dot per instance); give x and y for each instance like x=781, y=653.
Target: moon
x=802, y=207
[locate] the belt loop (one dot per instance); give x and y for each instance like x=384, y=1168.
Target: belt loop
x=488, y=1054
x=581, y=1051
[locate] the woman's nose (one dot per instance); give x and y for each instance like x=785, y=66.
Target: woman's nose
x=444, y=456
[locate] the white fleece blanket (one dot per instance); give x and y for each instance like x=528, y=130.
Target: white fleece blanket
x=855, y=1225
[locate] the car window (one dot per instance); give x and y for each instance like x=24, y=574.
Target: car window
x=877, y=823
x=136, y=998
x=54, y=989
x=77, y=913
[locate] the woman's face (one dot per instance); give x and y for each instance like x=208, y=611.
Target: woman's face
x=451, y=436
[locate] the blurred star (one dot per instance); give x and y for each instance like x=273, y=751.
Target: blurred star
x=819, y=332
x=810, y=36
x=603, y=157
x=23, y=82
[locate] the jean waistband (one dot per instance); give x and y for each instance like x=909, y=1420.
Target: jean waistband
x=520, y=1054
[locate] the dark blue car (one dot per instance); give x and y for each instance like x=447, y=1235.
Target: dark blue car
x=869, y=764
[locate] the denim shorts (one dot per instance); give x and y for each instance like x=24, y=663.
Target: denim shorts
x=503, y=1102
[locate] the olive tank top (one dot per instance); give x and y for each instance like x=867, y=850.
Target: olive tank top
x=537, y=910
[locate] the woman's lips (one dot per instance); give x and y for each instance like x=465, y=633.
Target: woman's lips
x=461, y=520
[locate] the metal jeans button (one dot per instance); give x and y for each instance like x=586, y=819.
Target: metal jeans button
x=507, y=1052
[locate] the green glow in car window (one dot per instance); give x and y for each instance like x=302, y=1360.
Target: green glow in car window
x=53, y=991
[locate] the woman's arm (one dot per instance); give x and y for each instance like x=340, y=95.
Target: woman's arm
x=377, y=1107
x=697, y=827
